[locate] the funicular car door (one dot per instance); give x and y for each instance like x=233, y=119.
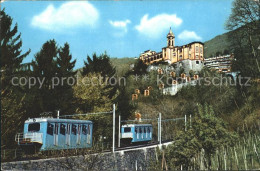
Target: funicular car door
x=68, y=134
x=56, y=134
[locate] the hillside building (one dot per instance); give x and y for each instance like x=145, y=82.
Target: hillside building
x=190, y=54
x=220, y=63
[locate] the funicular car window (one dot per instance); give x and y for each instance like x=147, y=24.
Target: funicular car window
x=34, y=127
x=74, y=129
x=127, y=129
x=148, y=130
x=84, y=129
x=141, y=130
x=62, y=129
x=50, y=129
x=136, y=130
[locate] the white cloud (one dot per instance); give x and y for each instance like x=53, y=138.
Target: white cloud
x=189, y=35
x=120, y=24
x=68, y=15
x=157, y=25
x=121, y=27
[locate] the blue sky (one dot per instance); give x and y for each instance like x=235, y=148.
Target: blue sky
x=122, y=28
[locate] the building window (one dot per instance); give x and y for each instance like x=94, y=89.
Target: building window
x=200, y=49
x=189, y=55
x=197, y=62
x=174, y=54
x=197, y=49
x=180, y=56
x=197, y=57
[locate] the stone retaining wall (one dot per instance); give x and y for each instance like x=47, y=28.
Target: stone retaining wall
x=130, y=160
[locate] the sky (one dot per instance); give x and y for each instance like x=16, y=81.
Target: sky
x=121, y=28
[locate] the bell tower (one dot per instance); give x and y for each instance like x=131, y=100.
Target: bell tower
x=170, y=39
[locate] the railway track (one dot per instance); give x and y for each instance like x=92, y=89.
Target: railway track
x=118, y=149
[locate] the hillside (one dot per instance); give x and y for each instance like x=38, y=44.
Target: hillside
x=219, y=43
x=122, y=64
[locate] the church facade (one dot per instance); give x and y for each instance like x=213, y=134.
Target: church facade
x=191, y=53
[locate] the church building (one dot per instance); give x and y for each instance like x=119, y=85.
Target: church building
x=191, y=54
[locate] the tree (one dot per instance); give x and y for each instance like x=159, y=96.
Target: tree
x=13, y=98
x=139, y=68
x=218, y=53
x=226, y=52
x=66, y=73
x=245, y=18
x=99, y=64
x=208, y=133
x=11, y=54
x=102, y=65
x=64, y=62
x=91, y=96
x=45, y=68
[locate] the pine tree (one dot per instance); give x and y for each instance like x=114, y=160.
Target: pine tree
x=99, y=64
x=102, y=65
x=64, y=62
x=12, y=98
x=65, y=72
x=45, y=68
x=11, y=54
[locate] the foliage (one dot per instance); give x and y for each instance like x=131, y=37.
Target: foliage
x=99, y=64
x=65, y=70
x=217, y=44
x=12, y=98
x=139, y=68
x=12, y=117
x=208, y=133
x=91, y=96
x=11, y=54
x=245, y=40
x=122, y=65
x=45, y=68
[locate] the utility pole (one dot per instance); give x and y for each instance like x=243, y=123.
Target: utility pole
x=114, y=126
x=119, y=130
